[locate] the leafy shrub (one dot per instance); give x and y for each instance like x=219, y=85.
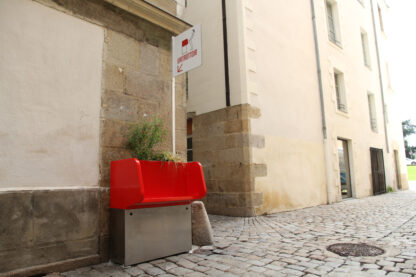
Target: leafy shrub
x=144, y=136
x=389, y=189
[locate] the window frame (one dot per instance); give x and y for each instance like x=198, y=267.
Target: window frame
x=365, y=49
x=339, y=86
x=332, y=18
x=372, y=111
x=380, y=18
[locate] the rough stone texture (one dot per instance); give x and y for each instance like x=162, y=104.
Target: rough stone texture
x=222, y=142
x=47, y=226
x=47, y=229
x=201, y=227
x=108, y=16
x=16, y=217
x=136, y=86
x=294, y=243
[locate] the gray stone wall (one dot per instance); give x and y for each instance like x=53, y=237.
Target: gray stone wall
x=222, y=142
x=136, y=86
x=47, y=226
x=44, y=230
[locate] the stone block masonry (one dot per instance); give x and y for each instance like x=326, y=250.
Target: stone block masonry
x=47, y=226
x=46, y=229
x=222, y=142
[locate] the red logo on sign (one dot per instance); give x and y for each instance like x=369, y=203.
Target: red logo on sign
x=179, y=68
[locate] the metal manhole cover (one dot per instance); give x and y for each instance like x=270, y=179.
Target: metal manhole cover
x=355, y=249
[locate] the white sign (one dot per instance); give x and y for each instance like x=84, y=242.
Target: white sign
x=186, y=51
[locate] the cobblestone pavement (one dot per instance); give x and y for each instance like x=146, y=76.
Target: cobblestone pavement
x=294, y=243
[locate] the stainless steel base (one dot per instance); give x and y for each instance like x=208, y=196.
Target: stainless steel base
x=141, y=235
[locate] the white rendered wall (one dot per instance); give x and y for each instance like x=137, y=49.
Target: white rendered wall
x=360, y=79
x=50, y=81
x=206, y=84
x=283, y=83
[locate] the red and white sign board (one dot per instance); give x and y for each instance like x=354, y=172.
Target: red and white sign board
x=186, y=51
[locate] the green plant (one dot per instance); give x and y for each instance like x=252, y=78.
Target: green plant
x=144, y=136
x=169, y=157
x=389, y=189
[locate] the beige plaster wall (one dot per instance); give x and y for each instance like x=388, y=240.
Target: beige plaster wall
x=283, y=83
x=295, y=174
x=273, y=68
x=50, y=81
x=354, y=126
x=206, y=84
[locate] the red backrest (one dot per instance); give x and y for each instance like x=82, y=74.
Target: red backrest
x=137, y=183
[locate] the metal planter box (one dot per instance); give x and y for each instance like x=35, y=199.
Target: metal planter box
x=150, y=214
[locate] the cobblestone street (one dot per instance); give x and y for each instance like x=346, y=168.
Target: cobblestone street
x=294, y=243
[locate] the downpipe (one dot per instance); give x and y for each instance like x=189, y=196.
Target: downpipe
x=327, y=149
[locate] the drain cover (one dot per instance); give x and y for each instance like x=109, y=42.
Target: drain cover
x=355, y=249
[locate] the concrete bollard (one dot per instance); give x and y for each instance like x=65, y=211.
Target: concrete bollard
x=201, y=227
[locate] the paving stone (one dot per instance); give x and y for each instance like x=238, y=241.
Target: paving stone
x=195, y=274
x=215, y=272
x=296, y=267
x=292, y=272
x=145, y=266
x=410, y=271
x=371, y=266
x=166, y=265
x=154, y=271
x=294, y=243
x=274, y=267
x=385, y=263
x=186, y=264
x=237, y=271
x=256, y=269
x=273, y=273
x=120, y=274
x=398, y=274
x=404, y=265
x=376, y=272
x=391, y=268
x=394, y=259
x=180, y=271
x=134, y=271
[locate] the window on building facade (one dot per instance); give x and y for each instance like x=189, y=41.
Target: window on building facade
x=366, y=51
x=340, y=91
x=189, y=151
x=380, y=18
x=332, y=20
x=372, y=111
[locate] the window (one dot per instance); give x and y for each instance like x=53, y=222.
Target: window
x=332, y=20
x=189, y=151
x=340, y=91
x=366, y=52
x=372, y=112
x=380, y=18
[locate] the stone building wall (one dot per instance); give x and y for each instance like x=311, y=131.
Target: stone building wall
x=58, y=227
x=222, y=142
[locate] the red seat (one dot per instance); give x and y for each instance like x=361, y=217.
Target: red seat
x=142, y=184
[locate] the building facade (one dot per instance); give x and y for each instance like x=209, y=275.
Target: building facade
x=74, y=75
x=293, y=106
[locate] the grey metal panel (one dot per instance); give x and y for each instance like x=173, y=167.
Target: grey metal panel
x=152, y=233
